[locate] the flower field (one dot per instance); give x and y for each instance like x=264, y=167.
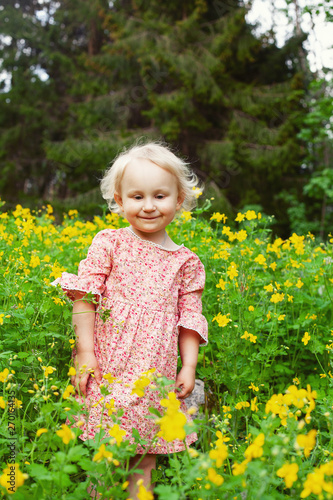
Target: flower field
x=266, y=429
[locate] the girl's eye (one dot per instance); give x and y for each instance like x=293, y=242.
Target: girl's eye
x=160, y=196
x=137, y=197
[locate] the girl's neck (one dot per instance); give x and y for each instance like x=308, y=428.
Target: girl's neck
x=160, y=237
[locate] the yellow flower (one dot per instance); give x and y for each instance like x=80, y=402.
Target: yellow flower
x=253, y=387
x=242, y=404
x=281, y=317
x=250, y=214
x=117, y=433
x=241, y=235
x=299, y=283
x=65, y=433
x=315, y=483
x=222, y=319
x=34, y=261
x=48, y=370
x=260, y=259
x=110, y=407
x=57, y=301
x=109, y=378
x=218, y=217
x=173, y=422
x=249, y=336
x=306, y=338
x=68, y=391
x=240, y=217
x=221, y=284
x=143, y=494
x=214, y=477
x=255, y=449
x=239, y=469
x=140, y=385
x=41, y=431
x=269, y=288
x=102, y=453
x=277, y=297
x=71, y=372
x=251, y=308
x=232, y=271
x=3, y=403
x=290, y=298
x=254, y=406
x=4, y=375
x=289, y=473
x=12, y=478
x=307, y=441
x=219, y=453
x=273, y=266
x=186, y=216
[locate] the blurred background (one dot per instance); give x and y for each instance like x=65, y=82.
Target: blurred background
x=242, y=90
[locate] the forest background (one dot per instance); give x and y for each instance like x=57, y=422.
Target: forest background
x=83, y=79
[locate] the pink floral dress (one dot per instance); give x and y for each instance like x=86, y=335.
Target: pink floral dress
x=150, y=291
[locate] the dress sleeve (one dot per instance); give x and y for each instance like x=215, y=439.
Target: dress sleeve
x=189, y=301
x=93, y=270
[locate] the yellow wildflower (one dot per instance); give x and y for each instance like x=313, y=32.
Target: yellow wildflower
x=102, y=453
x=144, y=494
x=65, y=433
x=140, y=385
x=232, y=271
x=260, y=259
x=307, y=441
x=222, y=319
x=215, y=478
x=306, y=338
x=48, y=370
x=117, y=433
x=221, y=284
x=4, y=375
x=12, y=478
x=289, y=473
x=240, y=217
x=68, y=391
x=277, y=297
x=186, y=216
x=250, y=215
x=41, y=431
x=255, y=449
x=218, y=217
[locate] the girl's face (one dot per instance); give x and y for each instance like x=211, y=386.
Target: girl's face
x=149, y=198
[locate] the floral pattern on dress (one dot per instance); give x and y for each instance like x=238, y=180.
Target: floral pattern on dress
x=150, y=291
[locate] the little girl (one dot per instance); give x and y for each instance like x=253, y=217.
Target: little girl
x=152, y=288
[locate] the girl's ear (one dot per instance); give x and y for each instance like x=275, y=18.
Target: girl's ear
x=118, y=200
x=180, y=200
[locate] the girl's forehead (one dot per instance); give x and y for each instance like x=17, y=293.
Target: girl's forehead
x=142, y=169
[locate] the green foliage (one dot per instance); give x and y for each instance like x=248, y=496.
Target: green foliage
x=269, y=307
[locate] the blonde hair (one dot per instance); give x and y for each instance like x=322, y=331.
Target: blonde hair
x=162, y=156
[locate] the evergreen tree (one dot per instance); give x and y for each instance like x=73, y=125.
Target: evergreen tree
x=191, y=73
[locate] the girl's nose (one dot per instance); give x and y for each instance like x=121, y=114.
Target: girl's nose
x=148, y=205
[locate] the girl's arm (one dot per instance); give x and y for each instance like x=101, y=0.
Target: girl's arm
x=84, y=323
x=188, y=348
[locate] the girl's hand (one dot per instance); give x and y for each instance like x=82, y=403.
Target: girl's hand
x=86, y=365
x=185, y=381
